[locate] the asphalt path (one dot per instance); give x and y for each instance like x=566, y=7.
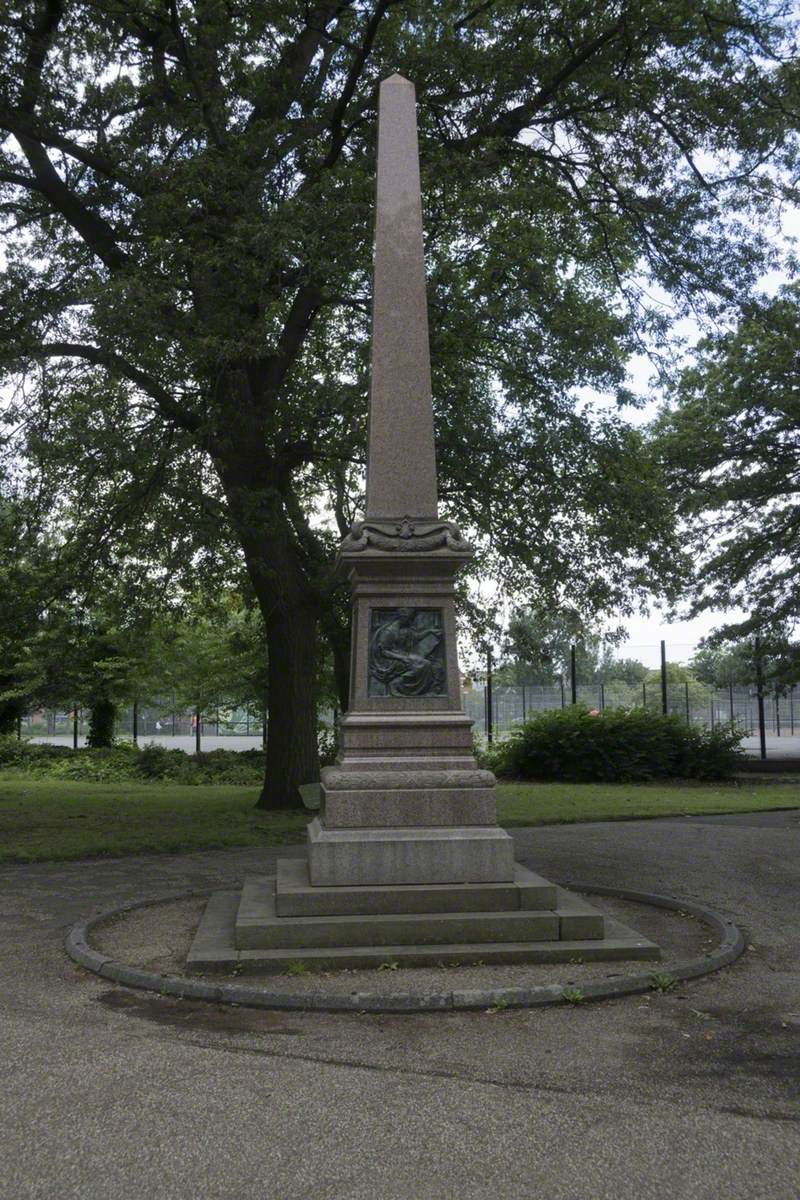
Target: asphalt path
x=107, y=1092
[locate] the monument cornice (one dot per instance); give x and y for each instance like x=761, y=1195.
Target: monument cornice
x=406, y=536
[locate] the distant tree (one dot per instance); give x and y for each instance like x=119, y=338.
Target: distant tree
x=539, y=642
x=730, y=446
x=92, y=658
x=719, y=665
x=214, y=654
x=679, y=679
x=773, y=656
x=623, y=670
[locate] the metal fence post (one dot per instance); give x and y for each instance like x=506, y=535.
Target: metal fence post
x=602, y=697
x=573, y=675
x=664, y=677
x=686, y=686
x=730, y=696
x=791, y=710
x=777, y=713
x=75, y=728
x=135, y=723
x=487, y=698
x=523, y=702
x=563, y=697
x=762, y=726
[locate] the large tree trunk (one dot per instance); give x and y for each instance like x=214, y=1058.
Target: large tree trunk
x=291, y=607
x=292, y=750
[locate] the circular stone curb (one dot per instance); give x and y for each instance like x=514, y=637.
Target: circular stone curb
x=730, y=947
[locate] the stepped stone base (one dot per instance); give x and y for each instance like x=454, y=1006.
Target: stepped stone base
x=281, y=919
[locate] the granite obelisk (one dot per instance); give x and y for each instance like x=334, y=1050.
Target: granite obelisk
x=401, y=460
x=405, y=803
x=406, y=862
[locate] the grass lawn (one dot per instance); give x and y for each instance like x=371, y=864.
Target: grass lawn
x=50, y=819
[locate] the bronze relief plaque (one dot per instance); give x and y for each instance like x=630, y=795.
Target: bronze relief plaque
x=406, y=653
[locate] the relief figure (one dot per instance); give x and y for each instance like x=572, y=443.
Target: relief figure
x=406, y=657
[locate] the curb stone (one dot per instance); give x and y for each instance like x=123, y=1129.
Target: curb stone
x=730, y=947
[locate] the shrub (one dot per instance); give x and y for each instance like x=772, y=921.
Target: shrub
x=616, y=745
x=126, y=762
x=22, y=755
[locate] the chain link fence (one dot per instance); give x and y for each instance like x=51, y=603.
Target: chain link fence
x=697, y=703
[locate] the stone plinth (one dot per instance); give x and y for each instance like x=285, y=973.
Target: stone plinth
x=456, y=854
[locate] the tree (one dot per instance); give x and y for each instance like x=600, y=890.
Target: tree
x=625, y=670
x=540, y=645
x=187, y=192
x=681, y=681
x=771, y=657
x=730, y=444
x=215, y=654
x=19, y=609
x=96, y=655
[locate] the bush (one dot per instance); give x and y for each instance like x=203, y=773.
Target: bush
x=125, y=761
x=616, y=745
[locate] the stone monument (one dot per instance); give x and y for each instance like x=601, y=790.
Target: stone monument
x=406, y=860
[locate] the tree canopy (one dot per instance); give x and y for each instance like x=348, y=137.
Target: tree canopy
x=730, y=444
x=186, y=197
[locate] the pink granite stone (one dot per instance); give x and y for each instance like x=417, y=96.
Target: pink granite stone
x=401, y=470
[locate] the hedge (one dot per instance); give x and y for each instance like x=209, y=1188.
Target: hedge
x=616, y=745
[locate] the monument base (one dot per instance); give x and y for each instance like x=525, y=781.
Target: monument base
x=283, y=919
x=409, y=855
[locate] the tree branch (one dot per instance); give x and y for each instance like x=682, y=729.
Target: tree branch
x=338, y=137
x=514, y=120
x=304, y=308
x=94, y=230
x=165, y=401
x=17, y=123
x=283, y=82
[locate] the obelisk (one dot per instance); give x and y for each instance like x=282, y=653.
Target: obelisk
x=405, y=802
x=406, y=862
x=401, y=459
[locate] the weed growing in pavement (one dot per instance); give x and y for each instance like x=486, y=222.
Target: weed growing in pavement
x=663, y=982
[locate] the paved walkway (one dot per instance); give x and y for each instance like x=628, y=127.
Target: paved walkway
x=777, y=747
x=113, y=1093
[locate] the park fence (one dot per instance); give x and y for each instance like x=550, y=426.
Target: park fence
x=497, y=709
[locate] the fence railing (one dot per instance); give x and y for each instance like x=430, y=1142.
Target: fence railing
x=218, y=721
x=696, y=703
